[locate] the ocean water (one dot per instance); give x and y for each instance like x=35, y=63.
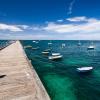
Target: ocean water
x=4, y=43
x=60, y=78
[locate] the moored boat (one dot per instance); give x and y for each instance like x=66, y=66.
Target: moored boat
x=34, y=41
x=29, y=46
x=79, y=43
x=49, y=43
x=91, y=47
x=55, y=56
x=63, y=45
x=45, y=52
x=84, y=69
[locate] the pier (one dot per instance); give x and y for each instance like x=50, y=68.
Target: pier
x=19, y=80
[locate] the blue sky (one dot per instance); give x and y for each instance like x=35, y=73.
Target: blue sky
x=50, y=19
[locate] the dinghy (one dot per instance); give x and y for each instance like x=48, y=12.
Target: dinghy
x=84, y=69
x=55, y=56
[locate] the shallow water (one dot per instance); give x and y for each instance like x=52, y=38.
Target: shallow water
x=3, y=43
x=60, y=77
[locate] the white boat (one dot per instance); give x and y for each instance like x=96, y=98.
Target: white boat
x=55, y=54
x=27, y=46
x=63, y=45
x=34, y=41
x=45, y=52
x=79, y=43
x=55, y=57
x=49, y=43
x=91, y=47
x=84, y=69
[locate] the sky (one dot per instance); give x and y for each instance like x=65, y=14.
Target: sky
x=50, y=19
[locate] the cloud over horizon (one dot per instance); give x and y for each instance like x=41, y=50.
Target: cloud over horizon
x=85, y=25
x=11, y=28
x=80, y=27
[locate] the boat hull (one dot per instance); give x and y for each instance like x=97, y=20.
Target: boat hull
x=45, y=52
x=90, y=48
x=84, y=69
x=55, y=57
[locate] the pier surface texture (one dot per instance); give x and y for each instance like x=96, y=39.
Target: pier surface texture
x=20, y=81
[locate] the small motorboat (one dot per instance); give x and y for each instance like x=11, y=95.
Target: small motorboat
x=45, y=52
x=55, y=54
x=29, y=46
x=63, y=45
x=49, y=43
x=55, y=57
x=34, y=41
x=84, y=69
x=79, y=43
x=91, y=47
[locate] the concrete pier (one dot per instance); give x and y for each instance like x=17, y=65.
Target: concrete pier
x=20, y=82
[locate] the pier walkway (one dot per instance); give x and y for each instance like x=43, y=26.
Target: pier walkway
x=19, y=80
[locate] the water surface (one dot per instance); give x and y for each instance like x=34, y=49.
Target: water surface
x=60, y=78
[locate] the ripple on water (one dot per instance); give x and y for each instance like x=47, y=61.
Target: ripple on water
x=60, y=88
x=72, y=61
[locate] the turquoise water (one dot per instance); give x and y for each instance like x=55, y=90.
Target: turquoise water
x=60, y=78
x=4, y=43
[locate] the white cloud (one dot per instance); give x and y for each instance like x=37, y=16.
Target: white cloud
x=12, y=28
x=76, y=28
x=59, y=28
x=91, y=25
x=71, y=7
x=76, y=19
x=81, y=18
